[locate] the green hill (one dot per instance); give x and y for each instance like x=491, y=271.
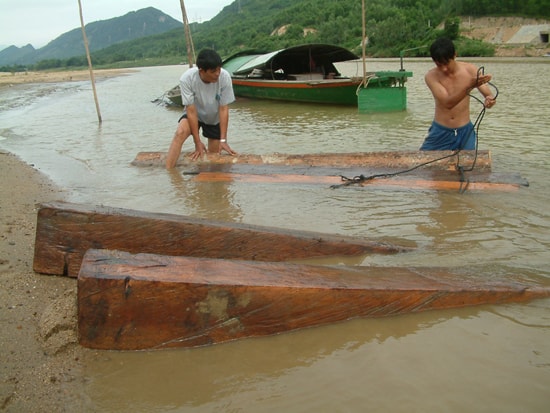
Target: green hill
x=391, y=26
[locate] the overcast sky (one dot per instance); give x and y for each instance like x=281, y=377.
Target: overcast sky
x=40, y=21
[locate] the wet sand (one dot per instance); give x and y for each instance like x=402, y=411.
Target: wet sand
x=7, y=79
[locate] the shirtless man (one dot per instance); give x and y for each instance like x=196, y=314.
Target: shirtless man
x=451, y=83
x=206, y=92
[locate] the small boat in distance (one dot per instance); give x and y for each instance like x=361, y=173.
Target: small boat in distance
x=303, y=73
x=307, y=73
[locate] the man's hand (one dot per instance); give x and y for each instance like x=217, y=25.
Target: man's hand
x=224, y=146
x=200, y=150
x=482, y=79
x=489, y=102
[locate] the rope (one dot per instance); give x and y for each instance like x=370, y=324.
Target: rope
x=464, y=182
x=365, y=81
x=362, y=178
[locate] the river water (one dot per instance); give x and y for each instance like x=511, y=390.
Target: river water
x=482, y=359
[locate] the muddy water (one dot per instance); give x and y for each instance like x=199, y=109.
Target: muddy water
x=492, y=358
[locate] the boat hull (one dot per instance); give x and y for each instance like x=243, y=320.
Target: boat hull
x=335, y=92
x=144, y=301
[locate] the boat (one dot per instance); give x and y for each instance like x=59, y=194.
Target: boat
x=307, y=73
x=149, y=301
x=65, y=231
x=173, y=95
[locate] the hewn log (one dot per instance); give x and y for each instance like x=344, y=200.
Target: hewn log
x=386, y=160
x=65, y=231
x=479, y=182
x=144, y=301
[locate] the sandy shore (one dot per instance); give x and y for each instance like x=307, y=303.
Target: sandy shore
x=41, y=363
x=40, y=367
x=7, y=79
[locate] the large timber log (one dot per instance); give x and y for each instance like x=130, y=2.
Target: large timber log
x=145, y=301
x=443, y=181
x=65, y=231
x=443, y=160
x=432, y=170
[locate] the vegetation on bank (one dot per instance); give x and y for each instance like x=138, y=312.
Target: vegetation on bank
x=392, y=26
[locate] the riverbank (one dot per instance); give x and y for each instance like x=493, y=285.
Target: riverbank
x=40, y=367
x=7, y=79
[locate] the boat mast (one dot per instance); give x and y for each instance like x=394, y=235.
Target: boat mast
x=188, y=39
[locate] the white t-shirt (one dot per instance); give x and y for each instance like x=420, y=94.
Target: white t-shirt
x=207, y=97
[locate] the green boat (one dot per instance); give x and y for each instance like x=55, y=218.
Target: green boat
x=307, y=73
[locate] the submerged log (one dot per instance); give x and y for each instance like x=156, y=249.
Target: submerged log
x=443, y=182
x=65, y=231
x=145, y=301
x=433, y=170
x=443, y=160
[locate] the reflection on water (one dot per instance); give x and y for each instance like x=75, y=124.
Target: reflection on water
x=449, y=360
x=423, y=362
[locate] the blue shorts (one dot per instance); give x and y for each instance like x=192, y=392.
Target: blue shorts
x=441, y=138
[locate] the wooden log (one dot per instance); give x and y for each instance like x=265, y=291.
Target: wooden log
x=145, y=301
x=445, y=183
x=65, y=231
x=387, y=160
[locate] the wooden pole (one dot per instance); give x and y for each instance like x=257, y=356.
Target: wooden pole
x=92, y=78
x=188, y=39
x=364, y=43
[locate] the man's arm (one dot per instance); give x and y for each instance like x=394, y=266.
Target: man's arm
x=490, y=100
x=224, y=121
x=449, y=99
x=193, y=120
x=224, y=124
x=442, y=96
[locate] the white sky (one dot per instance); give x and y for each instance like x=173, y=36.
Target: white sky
x=40, y=21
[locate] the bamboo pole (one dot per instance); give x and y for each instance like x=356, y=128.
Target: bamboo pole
x=188, y=39
x=92, y=78
x=364, y=43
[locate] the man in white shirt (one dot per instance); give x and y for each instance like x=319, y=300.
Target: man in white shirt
x=206, y=92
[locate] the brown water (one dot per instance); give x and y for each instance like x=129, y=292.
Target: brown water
x=491, y=358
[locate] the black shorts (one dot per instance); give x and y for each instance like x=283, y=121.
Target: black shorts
x=209, y=131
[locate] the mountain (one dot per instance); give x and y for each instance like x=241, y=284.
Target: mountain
x=16, y=54
x=100, y=34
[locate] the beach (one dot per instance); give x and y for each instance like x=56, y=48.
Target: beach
x=7, y=79
x=40, y=355
x=41, y=366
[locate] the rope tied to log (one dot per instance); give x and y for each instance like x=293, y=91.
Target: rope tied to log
x=464, y=181
x=359, y=179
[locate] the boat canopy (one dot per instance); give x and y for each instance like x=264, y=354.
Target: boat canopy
x=298, y=59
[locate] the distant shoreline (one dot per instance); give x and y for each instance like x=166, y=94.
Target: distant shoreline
x=8, y=79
